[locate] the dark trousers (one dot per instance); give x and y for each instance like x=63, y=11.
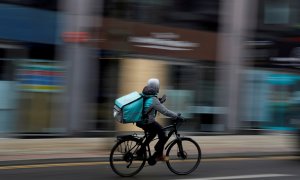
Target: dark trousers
x=154, y=129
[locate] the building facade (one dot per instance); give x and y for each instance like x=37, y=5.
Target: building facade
x=226, y=65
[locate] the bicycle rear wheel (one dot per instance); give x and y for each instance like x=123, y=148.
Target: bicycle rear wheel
x=184, y=156
x=123, y=158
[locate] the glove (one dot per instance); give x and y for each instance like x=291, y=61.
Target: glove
x=162, y=99
x=179, y=117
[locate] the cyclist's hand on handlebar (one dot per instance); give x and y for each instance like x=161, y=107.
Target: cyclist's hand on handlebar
x=179, y=117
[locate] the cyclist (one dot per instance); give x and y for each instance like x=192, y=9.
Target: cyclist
x=149, y=124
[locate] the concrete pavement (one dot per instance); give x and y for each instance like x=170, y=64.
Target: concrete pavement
x=12, y=149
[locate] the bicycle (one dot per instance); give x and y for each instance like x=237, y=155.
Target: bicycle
x=125, y=162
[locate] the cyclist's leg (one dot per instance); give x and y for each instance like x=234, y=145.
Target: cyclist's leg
x=154, y=129
x=151, y=134
x=159, y=147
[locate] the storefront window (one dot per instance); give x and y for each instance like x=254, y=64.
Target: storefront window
x=276, y=12
x=269, y=100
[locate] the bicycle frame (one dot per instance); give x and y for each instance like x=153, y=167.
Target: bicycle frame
x=141, y=140
x=175, y=146
x=173, y=130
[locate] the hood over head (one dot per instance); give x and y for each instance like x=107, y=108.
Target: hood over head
x=149, y=91
x=154, y=84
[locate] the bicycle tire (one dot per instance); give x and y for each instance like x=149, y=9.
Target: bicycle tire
x=125, y=160
x=171, y=163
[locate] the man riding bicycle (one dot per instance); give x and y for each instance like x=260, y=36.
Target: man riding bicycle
x=152, y=104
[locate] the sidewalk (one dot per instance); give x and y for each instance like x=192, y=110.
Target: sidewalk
x=212, y=146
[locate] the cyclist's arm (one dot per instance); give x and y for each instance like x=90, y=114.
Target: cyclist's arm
x=162, y=109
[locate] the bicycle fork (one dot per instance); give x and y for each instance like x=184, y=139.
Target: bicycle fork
x=181, y=152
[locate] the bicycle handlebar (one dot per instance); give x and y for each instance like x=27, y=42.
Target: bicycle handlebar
x=175, y=123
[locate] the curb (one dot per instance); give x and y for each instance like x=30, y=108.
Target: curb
x=106, y=158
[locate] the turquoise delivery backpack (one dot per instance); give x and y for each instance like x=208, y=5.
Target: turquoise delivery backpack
x=129, y=108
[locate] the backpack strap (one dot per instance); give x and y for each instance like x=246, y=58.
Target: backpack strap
x=146, y=113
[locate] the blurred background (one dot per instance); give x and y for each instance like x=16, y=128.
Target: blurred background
x=227, y=66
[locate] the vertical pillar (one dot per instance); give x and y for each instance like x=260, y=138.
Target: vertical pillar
x=78, y=59
x=235, y=16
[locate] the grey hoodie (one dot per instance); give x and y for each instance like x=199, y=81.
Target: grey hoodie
x=154, y=103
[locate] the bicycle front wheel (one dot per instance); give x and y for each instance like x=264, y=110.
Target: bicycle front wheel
x=123, y=158
x=184, y=156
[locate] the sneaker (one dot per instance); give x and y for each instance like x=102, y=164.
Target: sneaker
x=161, y=158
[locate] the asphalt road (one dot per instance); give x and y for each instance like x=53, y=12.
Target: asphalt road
x=268, y=168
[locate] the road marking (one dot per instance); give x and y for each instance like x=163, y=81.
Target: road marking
x=52, y=165
x=252, y=158
x=31, y=166
x=242, y=177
